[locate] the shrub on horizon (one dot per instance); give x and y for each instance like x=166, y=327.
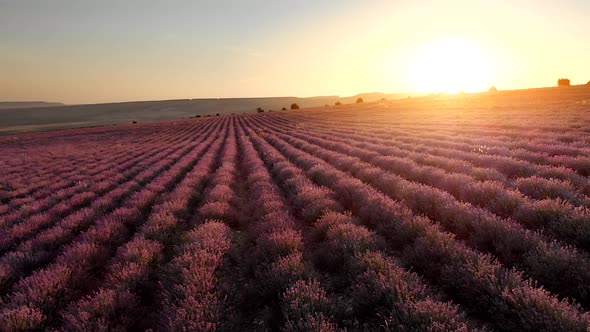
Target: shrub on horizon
x=337, y=103
x=259, y=110
x=563, y=82
x=359, y=100
x=294, y=106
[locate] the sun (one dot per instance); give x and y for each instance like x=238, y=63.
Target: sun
x=450, y=65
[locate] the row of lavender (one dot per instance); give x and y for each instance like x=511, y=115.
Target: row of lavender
x=56, y=262
x=45, y=170
x=457, y=268
x=484, y=187
x=572, y=152
x=559, y=268
x=538, y=128
x=269, y=222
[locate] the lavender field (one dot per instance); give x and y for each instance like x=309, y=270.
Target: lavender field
x=454, y=214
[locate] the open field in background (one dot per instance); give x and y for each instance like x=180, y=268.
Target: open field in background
x=19, y=120
x=445, y=213
x=27, y=104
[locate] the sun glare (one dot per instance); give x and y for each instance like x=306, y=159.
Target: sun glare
x=450, y=65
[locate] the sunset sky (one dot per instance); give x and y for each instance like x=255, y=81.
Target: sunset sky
x=101, y=51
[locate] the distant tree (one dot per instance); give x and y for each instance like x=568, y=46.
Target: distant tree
x=294, y=106
x=259, y=110
x=383, y=99
x=197, y=116
x=360, y=100
x=283, y=109
x=588, y=83
x=337, y=103
x=134, y=122
x=217, y=114
x=563, y=82
x=493, y=89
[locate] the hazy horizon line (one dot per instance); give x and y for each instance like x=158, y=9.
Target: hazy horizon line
x=281, y=96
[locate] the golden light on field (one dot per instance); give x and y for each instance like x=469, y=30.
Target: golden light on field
x=450, y=65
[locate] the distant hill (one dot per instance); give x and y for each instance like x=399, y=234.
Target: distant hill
x=374, y=96
x=26, y=104
x=21, y=119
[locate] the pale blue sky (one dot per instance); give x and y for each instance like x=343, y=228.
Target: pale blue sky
x=100, y=51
